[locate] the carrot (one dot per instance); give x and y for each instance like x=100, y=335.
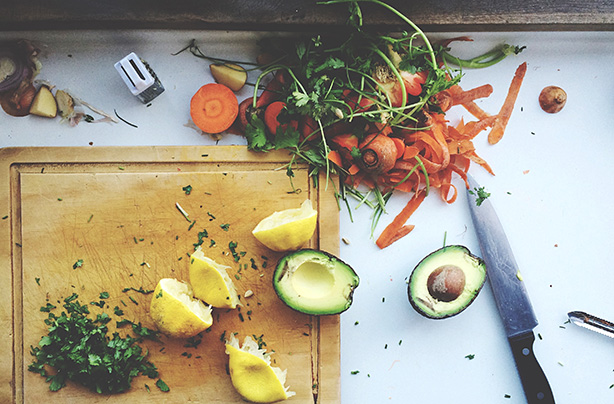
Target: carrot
x=242, y=119
x=508, y=105
x=271, y=92
x=345, y=141
x=356, y=102
x=271, y=113
x=397, y=228
x=379, y=153
x=308, y=128
x=335, y=157
x=354, y=169
x=214, y=108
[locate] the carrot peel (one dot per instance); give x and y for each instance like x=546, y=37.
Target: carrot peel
x=508, y=105
x=397, y=228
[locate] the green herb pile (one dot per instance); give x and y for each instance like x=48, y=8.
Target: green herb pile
x=78, y=348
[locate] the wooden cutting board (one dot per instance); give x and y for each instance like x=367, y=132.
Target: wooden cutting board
x=115, y=209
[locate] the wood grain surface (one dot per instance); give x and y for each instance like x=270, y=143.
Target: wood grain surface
x=114, y=208
x=444, y=15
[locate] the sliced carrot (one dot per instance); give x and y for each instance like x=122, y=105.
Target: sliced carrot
x=335, y=157
x=397, y=229
x=346, y=141
x=505, y=113
x=308, y=128
x=214, y=108
x=271, y=113
x=400, y=144
x=353, y=169
x=271, y=92
x=357, y=102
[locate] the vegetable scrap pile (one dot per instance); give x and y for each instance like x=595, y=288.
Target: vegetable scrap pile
x=371, y=108
x=21, y=94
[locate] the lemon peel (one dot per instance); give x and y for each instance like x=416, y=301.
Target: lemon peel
x=211, y=282
x=251, y=372
x=287, y=229
x=176, y=312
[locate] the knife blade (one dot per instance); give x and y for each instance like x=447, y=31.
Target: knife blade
x=510, y=294
x=592, y=323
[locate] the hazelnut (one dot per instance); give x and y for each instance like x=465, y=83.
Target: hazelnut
x=446, y=283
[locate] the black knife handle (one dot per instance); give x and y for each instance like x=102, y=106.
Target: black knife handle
x=534, y=382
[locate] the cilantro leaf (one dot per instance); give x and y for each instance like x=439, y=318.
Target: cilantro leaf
x=255, y=134
x=287, y=138
x=162, y=386
x=481, y=195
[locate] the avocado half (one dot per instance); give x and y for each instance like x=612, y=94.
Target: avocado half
x=446, y=282
x=314, y=282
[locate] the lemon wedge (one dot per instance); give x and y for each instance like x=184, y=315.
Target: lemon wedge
x=288, y=229
x=211, y=282
x=251, y=372
x=175, y=312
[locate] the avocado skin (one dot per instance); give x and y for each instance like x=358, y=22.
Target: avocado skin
x=474, y=269
x=280, y=270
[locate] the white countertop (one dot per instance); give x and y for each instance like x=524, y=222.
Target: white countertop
x=553, y=191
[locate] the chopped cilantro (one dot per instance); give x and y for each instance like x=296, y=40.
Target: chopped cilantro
x=79, y=349
x=481, y=195
x=77, y=264
x=139, y=290
x=162, y=386
x=187, y=189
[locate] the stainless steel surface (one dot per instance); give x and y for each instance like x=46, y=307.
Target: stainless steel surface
x=592, y=323
x=501, y=269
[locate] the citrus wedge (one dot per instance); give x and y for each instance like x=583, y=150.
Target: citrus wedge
x=175, y=312
x=251, y=372
x=288, y=229
x=211, y=282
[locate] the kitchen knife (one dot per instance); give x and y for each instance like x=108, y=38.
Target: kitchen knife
x=592, y=323
x=510, y=295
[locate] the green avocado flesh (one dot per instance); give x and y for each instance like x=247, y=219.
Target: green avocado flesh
x=446, y=282
x=314, y=282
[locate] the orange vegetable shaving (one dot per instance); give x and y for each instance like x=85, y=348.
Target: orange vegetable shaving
x=505, y=113
x=397, y=229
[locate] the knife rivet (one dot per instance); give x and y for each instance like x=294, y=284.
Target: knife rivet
x=526, y=351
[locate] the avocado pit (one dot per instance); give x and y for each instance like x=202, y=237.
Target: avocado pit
x=446, y=283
